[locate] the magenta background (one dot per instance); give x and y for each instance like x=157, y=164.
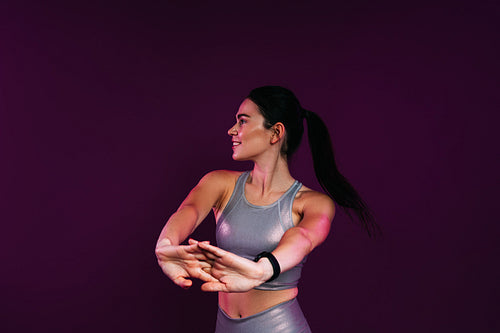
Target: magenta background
x=110, y=113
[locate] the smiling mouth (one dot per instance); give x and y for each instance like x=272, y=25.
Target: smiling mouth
x=236, y=144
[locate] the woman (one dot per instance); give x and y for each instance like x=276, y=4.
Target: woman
x=267, y=222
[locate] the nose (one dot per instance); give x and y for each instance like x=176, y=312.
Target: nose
x=232, y=131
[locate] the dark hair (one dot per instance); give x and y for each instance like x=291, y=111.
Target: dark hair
x=278, y=104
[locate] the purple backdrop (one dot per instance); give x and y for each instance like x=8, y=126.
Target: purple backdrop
x=110, y=113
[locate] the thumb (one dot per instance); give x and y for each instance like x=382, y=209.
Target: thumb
x=183, y=282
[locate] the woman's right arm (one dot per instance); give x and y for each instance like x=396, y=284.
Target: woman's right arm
x=180, y=262
x=193, y=210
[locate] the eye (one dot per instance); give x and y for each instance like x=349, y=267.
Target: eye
x=242, y=121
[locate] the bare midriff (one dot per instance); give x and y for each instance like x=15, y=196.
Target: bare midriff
x=241, y=305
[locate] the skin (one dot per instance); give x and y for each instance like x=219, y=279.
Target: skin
x=232, y=276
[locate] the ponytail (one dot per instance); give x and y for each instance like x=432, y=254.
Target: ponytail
x=329, y=177
x=278, y=104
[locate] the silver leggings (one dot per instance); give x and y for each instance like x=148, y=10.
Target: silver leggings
x=285, y=317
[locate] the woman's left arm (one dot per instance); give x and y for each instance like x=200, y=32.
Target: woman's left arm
x=311, y=231
x=237, y=274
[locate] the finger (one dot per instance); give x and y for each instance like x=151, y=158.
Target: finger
x=193, y=249
x=212, y=249
x=183, y=282
x=213, y=286
x=210, y=255
x=202, y=257
x=206, y=276
x=205, y=265
x=194, y=241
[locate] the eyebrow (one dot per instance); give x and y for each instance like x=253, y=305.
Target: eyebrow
x=242, y=115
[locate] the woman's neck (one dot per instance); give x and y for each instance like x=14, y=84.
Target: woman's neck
x=271, y=176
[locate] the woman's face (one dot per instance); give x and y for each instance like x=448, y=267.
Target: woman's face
x=249, y=136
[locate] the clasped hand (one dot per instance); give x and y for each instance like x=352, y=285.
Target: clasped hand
x=220, y=270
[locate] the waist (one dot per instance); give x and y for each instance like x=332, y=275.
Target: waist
x=241, y=305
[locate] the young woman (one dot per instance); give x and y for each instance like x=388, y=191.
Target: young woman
x=267, y=222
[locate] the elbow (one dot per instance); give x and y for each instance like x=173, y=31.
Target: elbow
x=312, y=238
x=306, y=240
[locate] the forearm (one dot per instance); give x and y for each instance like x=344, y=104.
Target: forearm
x=293, y=247
x=241, y=274
x=179, y=226
x=299, y=241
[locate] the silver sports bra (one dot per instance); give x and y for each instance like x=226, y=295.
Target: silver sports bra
x=247, y=230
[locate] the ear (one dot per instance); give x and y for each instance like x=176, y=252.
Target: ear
x=278, y=132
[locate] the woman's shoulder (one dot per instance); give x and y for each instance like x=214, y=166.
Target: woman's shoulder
x=308, y=197
x=221, y=177
x=223, y=181
x=224, y=172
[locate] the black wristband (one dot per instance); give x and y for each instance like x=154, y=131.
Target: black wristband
x=274, y=263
